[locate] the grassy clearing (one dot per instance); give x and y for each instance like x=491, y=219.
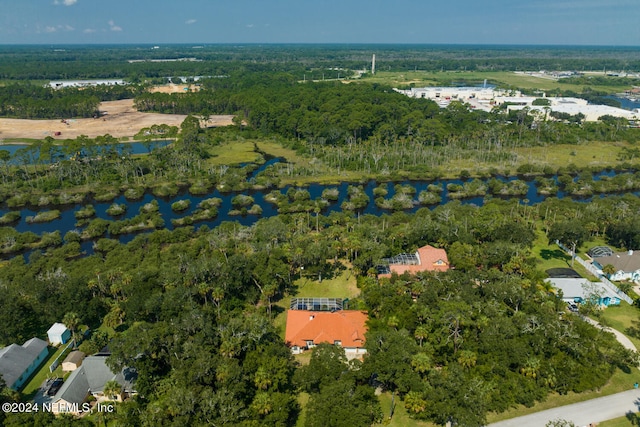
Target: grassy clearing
x=233, y=152
x=505, y=79
x=600, y=154
x=322, y=175
x=551, y=256
x=342, y=286
x=400, y=417
x=620, y=381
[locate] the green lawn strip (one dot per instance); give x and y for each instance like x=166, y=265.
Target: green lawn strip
x=400, y=416
x=42, y=374
x=551, y=256
x=303, y=399
x=620, y=381
x=630, y=419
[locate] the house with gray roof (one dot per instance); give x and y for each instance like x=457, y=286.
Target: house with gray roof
x=18, y=363
x=582, y=290
x=626, y=264
x=90, y=378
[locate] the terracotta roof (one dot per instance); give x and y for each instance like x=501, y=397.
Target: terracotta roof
x=431, y=259
x=346, y=326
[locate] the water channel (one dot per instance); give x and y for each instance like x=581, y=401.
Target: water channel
x=67, y=220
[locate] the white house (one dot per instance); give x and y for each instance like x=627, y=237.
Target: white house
x=626, y=264
x=582, y=290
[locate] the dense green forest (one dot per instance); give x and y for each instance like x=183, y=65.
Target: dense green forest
x=192, y=310
x=27, y=101
x=77, y=61
x=197, y=311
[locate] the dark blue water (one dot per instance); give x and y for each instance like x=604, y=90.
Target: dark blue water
x=626, y=103
x=56, y=152
x=68, y=222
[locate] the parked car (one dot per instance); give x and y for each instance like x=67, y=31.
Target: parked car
x=54, y=386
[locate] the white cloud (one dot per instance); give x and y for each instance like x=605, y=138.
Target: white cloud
x=89, y=30
x=113, y=26
x=65, y=2
x=56, y=28
x=249, y=25
x=190, y=21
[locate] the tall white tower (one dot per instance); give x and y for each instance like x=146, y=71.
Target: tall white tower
x=373, y=64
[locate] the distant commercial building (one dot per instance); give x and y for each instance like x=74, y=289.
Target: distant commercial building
x=591, y=112
x=61, y=84
x=445, y=95
x=486, y=98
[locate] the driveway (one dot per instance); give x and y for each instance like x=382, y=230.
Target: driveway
x=582, y=413
x=622, y=339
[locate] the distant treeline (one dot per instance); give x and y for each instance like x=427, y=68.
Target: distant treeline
x=336, y=113
x=28, y=101
x=66, y=62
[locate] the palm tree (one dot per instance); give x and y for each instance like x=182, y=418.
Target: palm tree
x=421, y=362
x=71, y=320
x=112, y=390
x=421, y=333
x=262, y=403
x=467, y=359
x=609, y=269
x=415, y=403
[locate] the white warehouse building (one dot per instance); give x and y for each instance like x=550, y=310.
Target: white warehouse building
x=486, y=98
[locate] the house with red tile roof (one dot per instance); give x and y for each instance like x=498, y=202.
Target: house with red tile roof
x=426, y=258
x=345, y=328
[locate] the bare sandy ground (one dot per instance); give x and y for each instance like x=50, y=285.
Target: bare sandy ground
x=174, y=88
x=119, y=119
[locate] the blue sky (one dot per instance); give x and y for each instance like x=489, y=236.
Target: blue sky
x=559, y=22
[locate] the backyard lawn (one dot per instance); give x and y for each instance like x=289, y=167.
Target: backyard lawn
x=43, y=373
x=341, y=286
x=400, y=416
x=551, y=256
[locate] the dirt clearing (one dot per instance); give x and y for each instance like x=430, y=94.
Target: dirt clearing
x=119, y=119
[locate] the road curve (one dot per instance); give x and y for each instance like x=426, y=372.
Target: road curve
x=582, y=413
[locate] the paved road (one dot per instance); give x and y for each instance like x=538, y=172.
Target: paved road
x=583, y=413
